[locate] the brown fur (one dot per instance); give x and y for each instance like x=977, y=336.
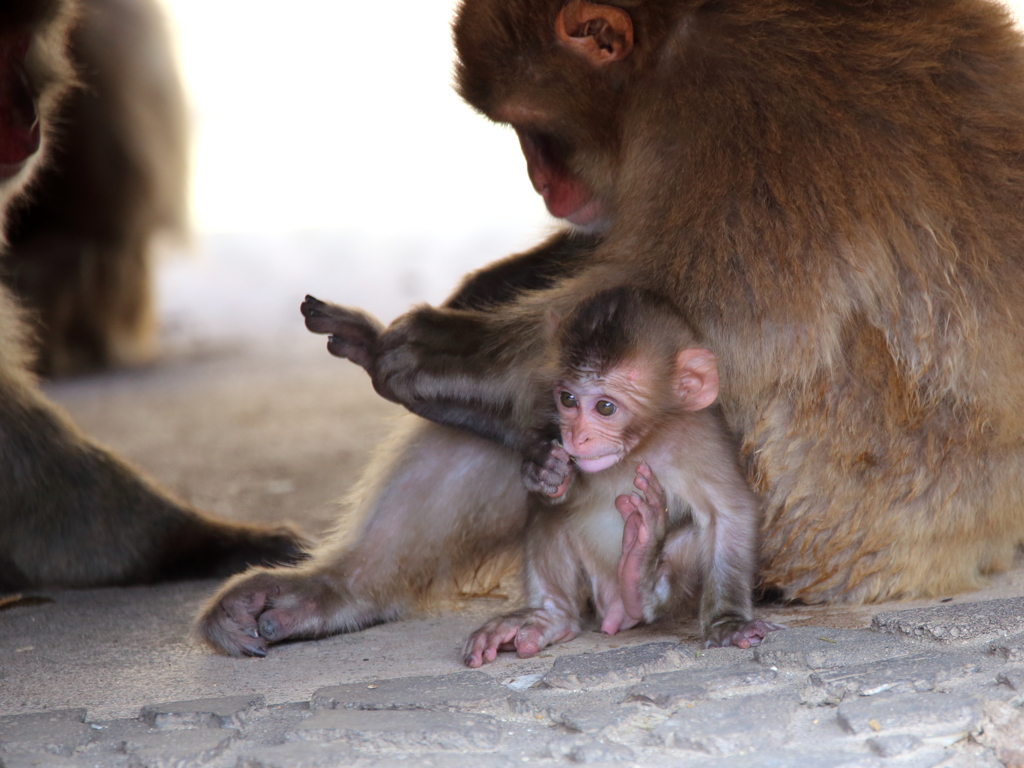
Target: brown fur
x=79, y=242
x=835, y=204
x=71, y=513
x=831, y=194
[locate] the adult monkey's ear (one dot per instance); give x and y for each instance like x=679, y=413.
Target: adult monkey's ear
x=600, y=34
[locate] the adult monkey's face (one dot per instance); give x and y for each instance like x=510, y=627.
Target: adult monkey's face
x=559, y=74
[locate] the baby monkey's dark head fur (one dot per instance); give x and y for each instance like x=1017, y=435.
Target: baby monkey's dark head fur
x=624, y=327
x=614, y=326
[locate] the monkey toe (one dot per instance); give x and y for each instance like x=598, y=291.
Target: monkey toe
x=548, y=469
x=269, y=628
x=527, y=650
x=558, y=459
x=559, y=491
x=744, y=636
x=758, y=630
x=345, y=324
x=552, y=480
x=472, y=652
x=547, y=489
x=254, y=645
x=231, y=632
x=318, y=315
x=736, y=640
x=275, y=625
x=530, y=640
x=310, y=306
x=358, y=350
x=241, y=643
x=322, y=317
x=498, y=634
x=753, y=633
x=553, y=471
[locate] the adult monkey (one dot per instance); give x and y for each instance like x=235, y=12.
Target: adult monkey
x=831, y=192
x=79, y=244
x=71, y=513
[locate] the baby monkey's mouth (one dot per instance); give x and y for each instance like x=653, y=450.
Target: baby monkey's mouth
x=596, y=463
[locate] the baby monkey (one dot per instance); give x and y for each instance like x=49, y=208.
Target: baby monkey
x=634, y=392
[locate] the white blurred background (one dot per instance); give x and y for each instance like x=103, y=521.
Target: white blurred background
x=332, y=156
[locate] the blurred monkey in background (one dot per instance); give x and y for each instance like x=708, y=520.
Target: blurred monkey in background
x=79, y=241
x=71, y=513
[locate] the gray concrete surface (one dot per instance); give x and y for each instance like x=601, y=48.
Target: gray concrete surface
x=278, y=430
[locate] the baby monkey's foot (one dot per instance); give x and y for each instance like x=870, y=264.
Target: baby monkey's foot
x=740, y=634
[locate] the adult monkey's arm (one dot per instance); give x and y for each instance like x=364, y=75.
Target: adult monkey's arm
x=474, y=362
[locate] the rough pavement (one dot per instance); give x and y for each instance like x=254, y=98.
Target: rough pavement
x=113, y=677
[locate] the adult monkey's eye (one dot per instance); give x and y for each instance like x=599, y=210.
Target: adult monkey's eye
x=605, y=407
x=568, y=400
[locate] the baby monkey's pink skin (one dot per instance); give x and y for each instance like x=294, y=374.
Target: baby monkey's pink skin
x=645, y=523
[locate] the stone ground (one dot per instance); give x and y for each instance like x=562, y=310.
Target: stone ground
x=279, y=430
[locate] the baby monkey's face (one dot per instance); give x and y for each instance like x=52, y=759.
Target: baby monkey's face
x=595, y=418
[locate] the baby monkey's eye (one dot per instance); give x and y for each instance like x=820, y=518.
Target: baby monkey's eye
x=605, y=407
x=568, y=399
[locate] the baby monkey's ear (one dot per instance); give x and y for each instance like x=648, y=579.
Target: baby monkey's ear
x=697, y=378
